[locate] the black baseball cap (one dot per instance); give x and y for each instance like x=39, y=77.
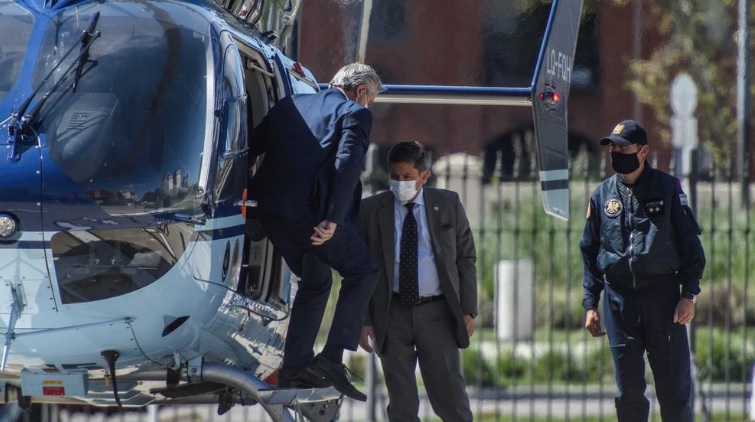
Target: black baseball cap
x=625, y=133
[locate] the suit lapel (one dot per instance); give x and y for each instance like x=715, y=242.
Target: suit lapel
x=386, y=224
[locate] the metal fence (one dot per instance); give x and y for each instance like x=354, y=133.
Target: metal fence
x=530, y=357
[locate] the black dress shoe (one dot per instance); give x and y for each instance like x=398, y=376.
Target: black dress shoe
x=336, y=374
x=300, y=378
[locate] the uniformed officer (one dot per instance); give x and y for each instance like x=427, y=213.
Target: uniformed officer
x=641, y=246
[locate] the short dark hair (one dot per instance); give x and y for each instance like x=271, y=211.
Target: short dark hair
x=408, y=152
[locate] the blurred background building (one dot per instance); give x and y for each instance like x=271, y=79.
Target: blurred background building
x=627, y=56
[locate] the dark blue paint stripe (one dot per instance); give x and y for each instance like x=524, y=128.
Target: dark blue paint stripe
x=554, y=184
x=25, y=244
x=220, y=233
x=203, y=235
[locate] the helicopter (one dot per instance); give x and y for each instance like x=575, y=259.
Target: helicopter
x=128, y=275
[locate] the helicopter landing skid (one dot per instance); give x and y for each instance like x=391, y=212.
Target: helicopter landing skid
x=314, y=404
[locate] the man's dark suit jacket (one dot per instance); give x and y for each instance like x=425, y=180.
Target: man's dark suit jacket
x=315, y=146
x=453, y=248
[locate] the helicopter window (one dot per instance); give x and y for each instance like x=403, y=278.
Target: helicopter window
x=15, y=29
x=139, y=120
x=300, y=85
x=99, y=264
x=230, y=179
x=235, y=102
x=258, y=87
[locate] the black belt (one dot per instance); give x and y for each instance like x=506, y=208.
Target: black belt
x=423, y=299
x=643, y=284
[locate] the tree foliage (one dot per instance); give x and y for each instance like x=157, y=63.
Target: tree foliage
x=699, y=38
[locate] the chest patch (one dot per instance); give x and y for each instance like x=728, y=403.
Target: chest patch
x=654, y=208
x=612, y=207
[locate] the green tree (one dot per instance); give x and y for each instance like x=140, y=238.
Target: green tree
x=700, y=38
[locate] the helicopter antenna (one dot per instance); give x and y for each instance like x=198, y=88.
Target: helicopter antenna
x=110, y=357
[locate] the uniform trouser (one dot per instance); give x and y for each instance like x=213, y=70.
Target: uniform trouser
x=423, y=334
x=345, y=252
x=643, y=321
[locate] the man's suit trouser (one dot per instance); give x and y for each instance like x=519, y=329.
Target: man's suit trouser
x=424, y=335
x=346, y=253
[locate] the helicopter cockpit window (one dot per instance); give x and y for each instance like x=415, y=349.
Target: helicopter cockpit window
x=16, y=25
x=128, y=143
x=136, y=126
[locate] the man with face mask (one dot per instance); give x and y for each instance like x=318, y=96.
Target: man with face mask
x=641, y=248
x=425, y=302
x=308, y=191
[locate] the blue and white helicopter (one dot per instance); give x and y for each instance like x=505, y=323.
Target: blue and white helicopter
x=127, y=276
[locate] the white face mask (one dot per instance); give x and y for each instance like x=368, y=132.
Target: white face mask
x=404, y=190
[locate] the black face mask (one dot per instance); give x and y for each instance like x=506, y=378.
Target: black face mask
x=624, y=163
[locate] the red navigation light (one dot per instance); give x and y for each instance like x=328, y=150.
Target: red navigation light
x=550, y=97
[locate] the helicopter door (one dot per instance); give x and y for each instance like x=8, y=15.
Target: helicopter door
x=263, y=266
x=266, y=277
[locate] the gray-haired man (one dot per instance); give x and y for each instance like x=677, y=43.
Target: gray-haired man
x=308, y=194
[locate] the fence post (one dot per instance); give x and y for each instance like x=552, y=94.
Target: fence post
x=515, y=320
x=751, y=413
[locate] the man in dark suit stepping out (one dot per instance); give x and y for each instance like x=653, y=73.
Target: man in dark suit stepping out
x=308, y=191
x=423, y=308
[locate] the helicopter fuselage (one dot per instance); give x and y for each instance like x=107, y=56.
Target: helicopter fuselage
x=125, y=125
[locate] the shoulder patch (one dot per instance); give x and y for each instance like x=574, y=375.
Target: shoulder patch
x=684, y=200
x=612, y=207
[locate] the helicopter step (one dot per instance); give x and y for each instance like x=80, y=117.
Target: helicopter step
x=315, y=404
x=204, y=383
